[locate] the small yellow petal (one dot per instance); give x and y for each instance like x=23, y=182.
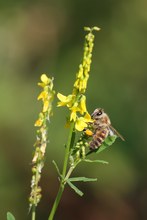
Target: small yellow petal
x=45, y=106
x=83, y=105
x=73, y=116
x=45, y=79
x=87, y=118
x=41, y=84
x=43, y=95
x=60, y=104
x=61, y=97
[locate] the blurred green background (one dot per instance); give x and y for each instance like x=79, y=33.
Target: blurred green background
x=47, y=36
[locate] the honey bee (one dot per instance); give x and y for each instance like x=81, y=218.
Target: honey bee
x=101, y=128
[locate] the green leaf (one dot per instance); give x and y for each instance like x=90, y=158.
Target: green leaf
x=83, y=179
x=10, y=216
x=95, y=161
x=108, y=142
x=56, y=166
x=79, y=192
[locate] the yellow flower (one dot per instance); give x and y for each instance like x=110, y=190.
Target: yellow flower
x=38, y=123
x=88, y=118
x=65, y=100
x=80, y=73
x=43, y=95
x=74, y=111
x=81, y=122
x=45, y=105
x=83, y=105
x=78, y=107
x=73, y=115
x=79, y=84
x=45, y=80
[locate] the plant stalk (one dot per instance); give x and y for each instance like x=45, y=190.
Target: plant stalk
x=63, y=182
x=33, y=212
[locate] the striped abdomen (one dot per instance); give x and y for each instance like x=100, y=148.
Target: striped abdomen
x=98, y=138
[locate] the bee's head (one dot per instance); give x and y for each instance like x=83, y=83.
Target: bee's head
x=97, y=114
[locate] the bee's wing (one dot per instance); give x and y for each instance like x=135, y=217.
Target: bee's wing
x=116, y=132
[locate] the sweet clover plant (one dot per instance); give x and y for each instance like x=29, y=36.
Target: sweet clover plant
x=76, y=149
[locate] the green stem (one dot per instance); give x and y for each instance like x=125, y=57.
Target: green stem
x=69, y=173
x=71, y=170
x=56, y=202
x=67, y=151
x=33, y=212
x=62, y=183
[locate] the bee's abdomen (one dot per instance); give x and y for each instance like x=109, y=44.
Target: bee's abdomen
x=98, y=138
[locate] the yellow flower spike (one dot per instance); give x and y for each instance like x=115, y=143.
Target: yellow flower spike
x=46, y=96
x=80, y=86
